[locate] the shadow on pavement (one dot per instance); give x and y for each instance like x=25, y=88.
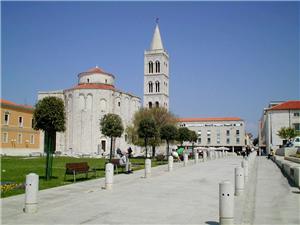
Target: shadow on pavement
x=212, y=223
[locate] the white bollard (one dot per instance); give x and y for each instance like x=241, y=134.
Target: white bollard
x=226, y=203
x=246, y=170
x=147, y=168
x=239, y=180
x=196, y=156
x=109, y=176
x=185, y=159
x=31, y=192
x=204, y=156
x=170, y=163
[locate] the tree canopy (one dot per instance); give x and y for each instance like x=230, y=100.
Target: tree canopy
x=168, y=132
x=147, y=129
x=193, y=136
x=183, y=135
x=111, y=125
x=287, y=133
x=49, y=115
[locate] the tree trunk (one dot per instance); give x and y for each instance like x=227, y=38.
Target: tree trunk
x=146, y=148
x=153, y=151
x=168, y=151
x=111, y=143
x=49, y=148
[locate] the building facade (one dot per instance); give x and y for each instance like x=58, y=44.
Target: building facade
x=17, y=134
x=156, y=74
x=276, y=116
x=85, y=104
x=217, y=132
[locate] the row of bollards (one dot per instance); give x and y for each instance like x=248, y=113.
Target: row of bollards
x=227, y=192
x=32, y=180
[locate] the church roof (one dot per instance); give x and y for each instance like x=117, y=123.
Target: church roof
x=156, y=43
x=209, y=119
x=93, y=86
x=287, y=105
x=95, y=70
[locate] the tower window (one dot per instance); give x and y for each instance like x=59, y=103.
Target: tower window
x=150, y=64
x=156, y=104
x=157, y=67
x=150, y=105
x=6, y=118
x=157, y=86
x=20, y=121
x=150, y=87
x=88, y=80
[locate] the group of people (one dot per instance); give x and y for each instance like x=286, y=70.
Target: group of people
x=124, y=159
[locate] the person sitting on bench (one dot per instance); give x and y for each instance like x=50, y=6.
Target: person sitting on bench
x=124, y=161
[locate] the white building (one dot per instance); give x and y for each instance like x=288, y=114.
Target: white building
x=156, y=74
x=94, y=96
x=217, y=132
x=276, y=116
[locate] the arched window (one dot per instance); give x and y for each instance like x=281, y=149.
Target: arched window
x=150, y=64
x=150, y=84
x=157, y=67
x=156, y=104
x=157, y=86
x=150, y=105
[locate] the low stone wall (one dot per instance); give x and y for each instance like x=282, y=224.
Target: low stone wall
x=290, y=169
x=286, y=151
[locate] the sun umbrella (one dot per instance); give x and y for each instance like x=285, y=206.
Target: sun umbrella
x=180, y=150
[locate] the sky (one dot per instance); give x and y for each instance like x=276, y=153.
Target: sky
x=227, y=59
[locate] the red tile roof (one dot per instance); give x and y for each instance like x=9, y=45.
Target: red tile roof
x=93, y=71
x=208, y=119
x=9, y=103
x=93, y=86
x=287, y=105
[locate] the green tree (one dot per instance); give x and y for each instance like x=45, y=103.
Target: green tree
x=161, y=117
x=255, y=141
x=287, y=133
x=168, y=132
x=183, y=135
x=49, y=116
x=111, y=126
x=147, y=129
x=193, y=138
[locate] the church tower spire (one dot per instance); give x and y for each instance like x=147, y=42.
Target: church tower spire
x=156, y=73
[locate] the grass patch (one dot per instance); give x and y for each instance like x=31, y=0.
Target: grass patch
x=15, y=169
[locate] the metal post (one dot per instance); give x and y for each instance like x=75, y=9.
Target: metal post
x=170, y=163
x=239, y=180
x=31, y=192
x=147, y=168
x=109, y=176
x=226, y=203
x=185, y=159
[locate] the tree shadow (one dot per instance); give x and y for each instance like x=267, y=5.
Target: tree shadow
x=44, y=177
x=212, y=223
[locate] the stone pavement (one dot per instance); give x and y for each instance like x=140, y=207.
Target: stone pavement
x=188, y=195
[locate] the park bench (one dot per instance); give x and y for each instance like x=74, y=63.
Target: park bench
x=116, y=163
x=78, y=168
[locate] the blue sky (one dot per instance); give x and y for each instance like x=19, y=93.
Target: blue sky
x=226, y=58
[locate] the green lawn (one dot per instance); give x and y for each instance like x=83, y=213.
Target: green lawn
x=15, y=169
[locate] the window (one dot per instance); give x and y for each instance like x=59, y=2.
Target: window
x=150, y=87
x=199, y=140
x=20, y=121
x=4, y=137
x=150, y=105
x=32, y=139
x=6, y=118
x=227, y=132
x=119, y=104
x=297, y=114
x=150, y=64
x=208, y=140
x=156, y=104
x=237, y=132
x=157, y=86
x=126, y=137
x=237, y=140
x=199, y=133
x=106, y=81
x=227, y=141
x=296, y=126
x=88, y=80
x=218, y=140
x=208, y=133
x=157, y=67
x=19, y=141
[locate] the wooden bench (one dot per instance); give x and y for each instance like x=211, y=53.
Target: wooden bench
x=78, y=168
x=116, y=163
